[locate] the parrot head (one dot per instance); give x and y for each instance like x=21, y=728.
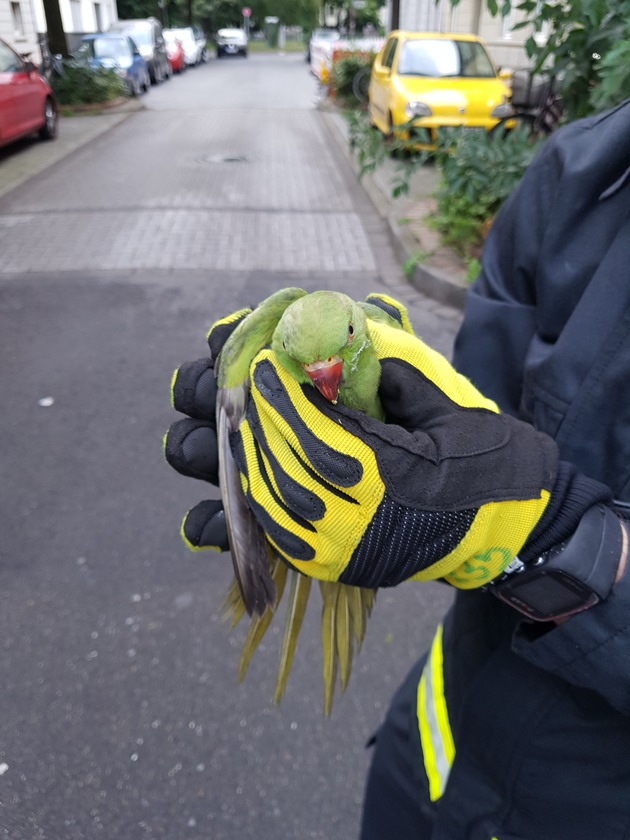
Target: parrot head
x=319, y=340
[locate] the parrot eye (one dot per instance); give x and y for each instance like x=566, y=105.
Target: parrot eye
x=350, y=332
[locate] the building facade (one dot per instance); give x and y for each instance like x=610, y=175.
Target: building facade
x=506, y=47
x=22, y=21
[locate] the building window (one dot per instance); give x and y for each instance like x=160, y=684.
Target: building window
x=16, y=17
x=77, y=20
x=97, y=17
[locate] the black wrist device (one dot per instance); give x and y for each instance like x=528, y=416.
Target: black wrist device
x=571, y=576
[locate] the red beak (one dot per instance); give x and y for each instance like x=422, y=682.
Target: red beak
x=325, y=376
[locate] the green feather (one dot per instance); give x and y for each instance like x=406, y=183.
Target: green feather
x=299, y=590
x=252, y=334
x=329, y=592
x=259, y=624
x=343, y=635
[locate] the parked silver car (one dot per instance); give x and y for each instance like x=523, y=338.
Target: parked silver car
x=231, y=42
x=202, y=41
x=147, y=34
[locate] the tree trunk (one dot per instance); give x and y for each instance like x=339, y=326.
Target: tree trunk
x=394, y=19
x=54, y=25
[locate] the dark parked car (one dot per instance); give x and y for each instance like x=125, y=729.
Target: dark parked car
x=147, y=34
x=27, y=104
x=118, y=53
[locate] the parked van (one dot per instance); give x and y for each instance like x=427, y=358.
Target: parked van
x=147, y=34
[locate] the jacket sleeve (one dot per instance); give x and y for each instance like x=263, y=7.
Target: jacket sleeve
x=500, y=312
x=590, y=650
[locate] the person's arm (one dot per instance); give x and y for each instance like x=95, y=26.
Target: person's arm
x=503, y=313
x=590, y=649
x=500, y=316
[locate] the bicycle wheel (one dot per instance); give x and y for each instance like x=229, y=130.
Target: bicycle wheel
x=521, y=122
x=361, y=83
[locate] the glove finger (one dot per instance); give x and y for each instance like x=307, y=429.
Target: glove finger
x=222, y=329
x=190, y=447
x=194, y=390
x=204, y=527
x=393, y=309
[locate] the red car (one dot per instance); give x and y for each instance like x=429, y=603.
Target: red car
x=27, y=104
x=175, y=51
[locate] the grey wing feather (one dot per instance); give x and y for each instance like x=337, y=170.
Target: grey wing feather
x=246, y=537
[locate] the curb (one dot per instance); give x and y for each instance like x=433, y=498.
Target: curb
x=437, y=283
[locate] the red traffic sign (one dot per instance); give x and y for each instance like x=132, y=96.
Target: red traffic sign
x=247, y=12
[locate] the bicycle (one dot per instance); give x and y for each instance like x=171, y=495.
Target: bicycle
x=361, y=84
x=52, y=65
x=538, y=106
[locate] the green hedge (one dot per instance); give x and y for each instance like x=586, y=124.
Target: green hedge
x=83, y=85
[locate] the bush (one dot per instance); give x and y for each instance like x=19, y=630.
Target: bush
x=344, y=69
x=477, y=173
x=83, y=85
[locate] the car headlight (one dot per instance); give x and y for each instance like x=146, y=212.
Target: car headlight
x=502, y=111
x=417, y=109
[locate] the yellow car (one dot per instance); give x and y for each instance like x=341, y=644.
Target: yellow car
x=428, y=80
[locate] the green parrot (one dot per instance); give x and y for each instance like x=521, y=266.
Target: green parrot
x=322, y=340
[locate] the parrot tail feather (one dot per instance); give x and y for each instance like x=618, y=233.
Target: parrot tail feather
x=300, y=587
x=344, y=635
x=233, y=607
x=260, y=623
x=329, y=592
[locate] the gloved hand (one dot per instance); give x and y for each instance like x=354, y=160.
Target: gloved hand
x=190, y=445
x=447, y=488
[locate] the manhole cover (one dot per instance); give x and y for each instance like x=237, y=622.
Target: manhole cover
x=223, y=159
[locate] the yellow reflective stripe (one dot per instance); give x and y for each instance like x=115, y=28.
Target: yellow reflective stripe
x=438, y=747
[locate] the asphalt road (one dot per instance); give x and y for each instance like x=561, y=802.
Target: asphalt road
x=120, y=712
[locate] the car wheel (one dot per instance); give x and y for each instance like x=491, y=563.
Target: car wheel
x=49, y=129
x=169, y=70
x=244, y=53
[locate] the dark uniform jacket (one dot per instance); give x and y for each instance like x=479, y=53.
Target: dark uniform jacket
x=525, y=730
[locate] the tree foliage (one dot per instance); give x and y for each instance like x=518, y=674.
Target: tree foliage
x=586, y=43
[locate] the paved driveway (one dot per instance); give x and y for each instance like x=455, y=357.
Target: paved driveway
x=120, y=713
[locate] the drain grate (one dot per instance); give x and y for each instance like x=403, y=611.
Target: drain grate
x=214, y=159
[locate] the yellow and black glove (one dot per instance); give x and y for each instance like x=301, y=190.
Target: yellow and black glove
x=447, y=488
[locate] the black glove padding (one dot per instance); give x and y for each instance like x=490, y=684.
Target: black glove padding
x=190, y=445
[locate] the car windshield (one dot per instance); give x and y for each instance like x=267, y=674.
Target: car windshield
x=141, y=35
x=439, y=58
x=109, y=48
x=324, y=34
x=184, y=35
